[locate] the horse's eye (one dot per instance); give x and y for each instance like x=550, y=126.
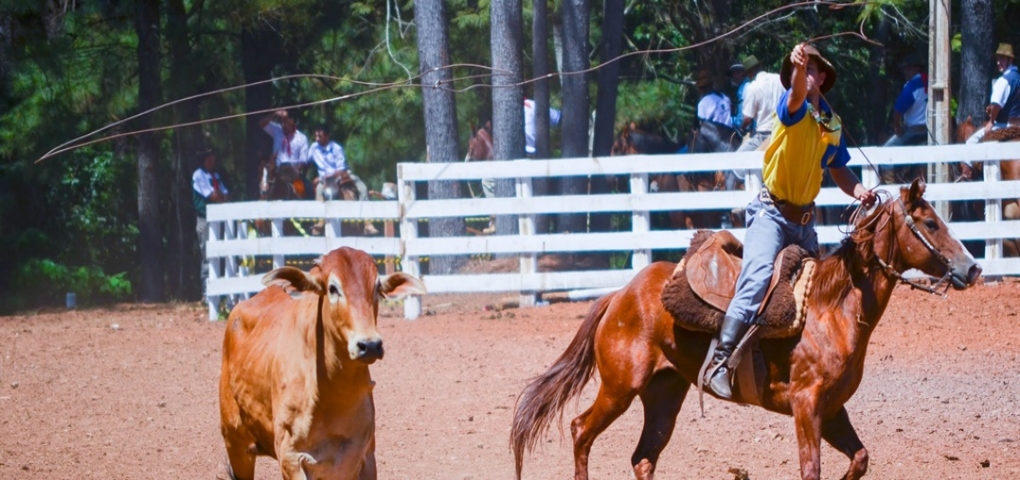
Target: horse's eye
x=931, y=225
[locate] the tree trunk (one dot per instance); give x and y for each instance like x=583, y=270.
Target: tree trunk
x=440, y=118
x=879, y=94
x=608, y=77
x=6, y=64
x=575, y=103
x=259, y=52
x=149, y=221
x=540, y=68
x=978, y=45
x=184, y=272
x=507, y=97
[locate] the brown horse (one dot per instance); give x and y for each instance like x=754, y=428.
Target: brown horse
x=635, y=141
x=1008, y=170
x=639, y=351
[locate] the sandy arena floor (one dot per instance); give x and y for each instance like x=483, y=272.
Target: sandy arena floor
x=131, y=392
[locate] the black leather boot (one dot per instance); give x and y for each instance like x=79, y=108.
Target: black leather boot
x=718, y=376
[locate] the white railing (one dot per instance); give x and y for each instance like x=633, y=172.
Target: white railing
x=637, y=243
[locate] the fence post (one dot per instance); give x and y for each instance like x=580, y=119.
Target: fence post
x=408, y=232
x=215, y=235
x=993, y=210
x=640, y=221
x=278, y=261
x=230, y=233
x=526, y=227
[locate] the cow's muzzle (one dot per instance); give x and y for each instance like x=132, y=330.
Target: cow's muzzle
x=368, y=351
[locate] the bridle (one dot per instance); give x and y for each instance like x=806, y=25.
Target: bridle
x=890, y=271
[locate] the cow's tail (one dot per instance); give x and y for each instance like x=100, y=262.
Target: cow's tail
x=543, y=399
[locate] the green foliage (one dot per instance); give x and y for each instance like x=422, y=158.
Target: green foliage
x=50, y=280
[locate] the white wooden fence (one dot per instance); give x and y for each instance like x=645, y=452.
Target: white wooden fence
x=230, y=241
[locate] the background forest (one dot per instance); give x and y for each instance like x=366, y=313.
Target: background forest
x=113, y=220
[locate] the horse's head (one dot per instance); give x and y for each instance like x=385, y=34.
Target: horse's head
x=921, y=240
x=964, y=130
x=712, y=137
x=480, y=146
x=623, y=144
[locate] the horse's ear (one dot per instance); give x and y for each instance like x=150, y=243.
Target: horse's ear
x=969, y=121
x=916, y=191
x=488, y=125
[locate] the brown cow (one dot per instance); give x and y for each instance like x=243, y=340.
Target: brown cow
x=295, y=383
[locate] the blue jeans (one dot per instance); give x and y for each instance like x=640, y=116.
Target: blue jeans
x=768, y=232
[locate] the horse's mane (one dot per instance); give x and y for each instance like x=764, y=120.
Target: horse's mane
x=834, y=273
x=1002, y=135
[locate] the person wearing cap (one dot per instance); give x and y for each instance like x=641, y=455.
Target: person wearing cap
x=713, y=106
x=909, y=121
x=738, y=81
x=806, y=139
x=1004, y=106
x=206, y=187
x=758, y=112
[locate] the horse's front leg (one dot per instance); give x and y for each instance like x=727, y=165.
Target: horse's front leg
x=808, y=424
x=839, y=433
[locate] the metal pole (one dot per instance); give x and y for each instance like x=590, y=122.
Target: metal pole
x=939, y=91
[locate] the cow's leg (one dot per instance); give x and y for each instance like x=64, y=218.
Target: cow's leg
x=839, y=433
x=609, y=405
x=368, y=470
x=242, y=460
x=808, y=425
x=662, y=401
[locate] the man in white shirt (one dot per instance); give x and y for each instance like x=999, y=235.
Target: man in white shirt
x=206, y=187
x=1003, y=106
x=713, y=106
x=529, y=124
x=290, y=146
x=760, y=98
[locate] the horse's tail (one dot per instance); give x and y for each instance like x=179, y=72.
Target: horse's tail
x=543, y=398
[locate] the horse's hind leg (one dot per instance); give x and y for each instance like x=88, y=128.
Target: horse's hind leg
x=662, y=400
x=839, y=433
x=609, y=405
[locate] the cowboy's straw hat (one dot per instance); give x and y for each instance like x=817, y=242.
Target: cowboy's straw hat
x=1005, y=50
x=823, y=65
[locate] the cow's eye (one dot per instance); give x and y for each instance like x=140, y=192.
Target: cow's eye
x=333, y=291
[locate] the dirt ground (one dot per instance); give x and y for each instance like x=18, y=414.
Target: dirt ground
x=131, y=392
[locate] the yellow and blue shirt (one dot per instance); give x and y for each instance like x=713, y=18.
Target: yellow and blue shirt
x=803, y=143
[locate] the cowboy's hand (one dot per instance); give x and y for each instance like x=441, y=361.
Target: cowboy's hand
x=865, y=196
x=798, y=57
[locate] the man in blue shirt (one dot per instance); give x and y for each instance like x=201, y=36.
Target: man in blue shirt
x=909, y=121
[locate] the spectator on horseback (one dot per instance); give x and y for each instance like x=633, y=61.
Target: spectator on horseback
x=1004, y=106
x=909, y=112
x=333, y=180
x=806, y=140
x=713, y=106
x=758, y=113
x=737, y=76
x=206, y=187
x=290, y=146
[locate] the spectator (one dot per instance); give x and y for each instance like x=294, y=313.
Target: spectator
x=333, y=179
x=758, y=112
x=529, y=124
x=909, y=113
x=1004, y=106
x=738, y=81
x=206, y=187
x=713, y=106
x=290, y=146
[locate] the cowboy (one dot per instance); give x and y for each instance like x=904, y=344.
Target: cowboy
x=206, y=187
x=713, y=106
x=758, y=112
x=290, y=146
x=806, y=139
x=1004, y=106
x=737, y=76
x=909, y=113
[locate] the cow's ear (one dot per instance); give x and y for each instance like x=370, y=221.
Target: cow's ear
x=400, y=285
x=299, y=279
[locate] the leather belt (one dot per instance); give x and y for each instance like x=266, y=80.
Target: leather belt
x=797, y=214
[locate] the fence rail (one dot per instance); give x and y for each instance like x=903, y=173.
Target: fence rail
x=232, y=242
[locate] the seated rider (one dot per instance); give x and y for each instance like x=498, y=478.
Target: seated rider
x=806, y=139
x=332, y=172
x=290, y=148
